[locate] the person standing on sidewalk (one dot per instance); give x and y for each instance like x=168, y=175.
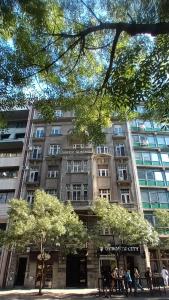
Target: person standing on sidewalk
x=137, y=284
x=148, y=276
x=127, y=282
x=164, y=274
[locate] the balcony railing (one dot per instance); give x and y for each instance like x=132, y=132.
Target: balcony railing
x=152, y=182
x=155, y=205
x=151, y=163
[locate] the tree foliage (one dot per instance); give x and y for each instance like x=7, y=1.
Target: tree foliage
x=94, y=57
x=125, y=227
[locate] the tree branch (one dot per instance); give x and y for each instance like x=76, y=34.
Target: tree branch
x=131, y=28
x=112, y=54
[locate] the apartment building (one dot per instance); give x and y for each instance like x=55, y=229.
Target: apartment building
x=12, y=149
x=65, y=166
x=131, y=168
x=151, y=150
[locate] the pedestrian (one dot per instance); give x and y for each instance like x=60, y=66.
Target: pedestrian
x=148, y=276
x=121, y=280
x=127, y=282
x=114, y=275
x=106, y=276
x=164, y=274
x=137, y=284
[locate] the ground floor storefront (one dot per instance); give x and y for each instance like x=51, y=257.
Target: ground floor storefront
x=81, y=269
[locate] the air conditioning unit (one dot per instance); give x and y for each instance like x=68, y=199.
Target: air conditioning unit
x=26, y=167
x=30, y=148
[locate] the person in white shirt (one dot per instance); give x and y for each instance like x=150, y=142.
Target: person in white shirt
x=164, y=274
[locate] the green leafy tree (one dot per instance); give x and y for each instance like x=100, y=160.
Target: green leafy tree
x=162, y=223
x=125, y=227
x=46, y=223
x=95, y=57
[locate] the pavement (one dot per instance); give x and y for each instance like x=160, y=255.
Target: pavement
x=72, y=294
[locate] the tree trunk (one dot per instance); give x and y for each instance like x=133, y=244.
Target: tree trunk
x=42, y=252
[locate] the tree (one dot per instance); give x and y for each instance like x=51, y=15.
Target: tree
x=93, y=56
x=46, y=223
x=125, y=227
x=162, y=224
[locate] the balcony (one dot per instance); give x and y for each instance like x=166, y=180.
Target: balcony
x=151, y=163
x=155, y=205
x=126, y=179
x=70, y=150
x=119, y=135
x=13, y=161
x=4, y=210
x=81, y=204
x=33, y=182
x=145, y=182
x=8, y=183
x=37, y=156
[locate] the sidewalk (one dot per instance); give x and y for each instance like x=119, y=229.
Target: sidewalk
x=70, y=294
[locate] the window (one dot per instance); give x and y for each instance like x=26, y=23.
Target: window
x=153, y=197
x=141, y=174
x=52, y=192
x=78, y=146
x=53, y=172
x=6, y=196
x=158, y=176
x=146, y=156
x=33, y=174
x=118, y=130
x=103, y=170
x=151, y=140
x=154, y=156
x=56, y=130
x=30, y=197
x=59, y=113
x=120, y=150
x=167, y=140
x=136, y=138
x=54, y=149
x=164, y=157
x=163, y=197
x=160, y=140
x=39, y=132
x=8, y=173
x=102, y=149
x=125, y=196
x=4, y=136
x=138, y=155
x=145, y=196
x=104, y=193
x=85, y=193
x=150, y=218
x=77, y=166
x=37, y=152
x=122, y=172
x=76, y=192
x=167, y=176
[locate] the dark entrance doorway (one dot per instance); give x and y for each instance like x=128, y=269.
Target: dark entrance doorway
x=76, y=271
x=20, y=277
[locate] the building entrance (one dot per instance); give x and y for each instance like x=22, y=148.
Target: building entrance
x=76, y=271
x=20, y=277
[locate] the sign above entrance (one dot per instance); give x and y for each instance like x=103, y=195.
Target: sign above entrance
x=118, y=249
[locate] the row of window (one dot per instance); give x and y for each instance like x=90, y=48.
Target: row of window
x=153, y=177
x=8, y=173
x=154, y=196
x=58, y=114
x=78, y=192
x=40, y=131
x=155, y=158
x=6, y=196
x=55, y=149
x=7, y=136
x=149, y=125
x=10, y=154
x=151, y=140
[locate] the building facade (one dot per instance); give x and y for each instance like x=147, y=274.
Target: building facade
x=12, y=141
x=62, y=164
